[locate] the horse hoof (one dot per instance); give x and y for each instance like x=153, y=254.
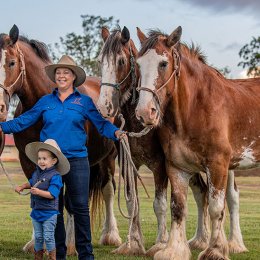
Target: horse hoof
x=133, y=249
x=110, y=239
x=155, y=248
x=71, y=250
x=173, y=254
x=212, y=254
x=236, y=247
x=198, y=243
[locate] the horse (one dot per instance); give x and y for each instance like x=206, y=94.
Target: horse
x=22, y=73
x=118, y=64
x=205, y=122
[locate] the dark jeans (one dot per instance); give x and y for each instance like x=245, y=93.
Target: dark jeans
x=77, y=189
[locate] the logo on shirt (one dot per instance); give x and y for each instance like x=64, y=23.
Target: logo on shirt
x=77, y=101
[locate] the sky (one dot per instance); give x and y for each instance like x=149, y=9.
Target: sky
x=220, y=27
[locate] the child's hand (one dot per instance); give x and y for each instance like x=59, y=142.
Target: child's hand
x=35, y=191
x=18, y=189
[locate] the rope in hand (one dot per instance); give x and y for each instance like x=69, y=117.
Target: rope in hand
x=129, y=171
x=14, y=185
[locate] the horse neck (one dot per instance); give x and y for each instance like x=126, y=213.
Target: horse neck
x=190, y=92
x=36, y=83
x=128, y=108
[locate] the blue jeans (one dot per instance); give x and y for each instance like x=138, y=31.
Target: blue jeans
x=44, y=232
x=77, y=190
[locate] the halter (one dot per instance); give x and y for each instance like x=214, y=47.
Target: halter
x=22, y=74
x=175, y=72
x=132, y=69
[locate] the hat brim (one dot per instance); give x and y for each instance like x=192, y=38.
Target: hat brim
x=31, y=150
x=79, y=72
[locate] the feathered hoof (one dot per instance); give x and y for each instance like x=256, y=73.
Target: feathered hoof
x=155, y=248
x=29, y=247
x=71, y=250
x=133, y=249
x=212, y=254
x=171, y=254
x=110, y=239
x=236, y=247
x=197, y=243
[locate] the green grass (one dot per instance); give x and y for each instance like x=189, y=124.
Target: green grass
x=15, y=227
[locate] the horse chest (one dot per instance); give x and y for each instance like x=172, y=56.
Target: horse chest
x=178, y=152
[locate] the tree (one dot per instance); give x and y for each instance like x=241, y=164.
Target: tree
x=85, y=48
x=250, y=53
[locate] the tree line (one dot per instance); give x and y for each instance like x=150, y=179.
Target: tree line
x=85, y=47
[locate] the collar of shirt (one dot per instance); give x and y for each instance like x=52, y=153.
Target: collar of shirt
x=75, y=92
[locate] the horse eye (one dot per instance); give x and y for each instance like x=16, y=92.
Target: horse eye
x=163, y=64
x=12, y=63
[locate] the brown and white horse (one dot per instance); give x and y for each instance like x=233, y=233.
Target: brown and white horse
x=22, y=73
x=120, y=75
x=205, y=122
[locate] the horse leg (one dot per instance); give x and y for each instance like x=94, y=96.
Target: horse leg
x=177, y=245
x=110, y=233
x=199, y=189
x=235, y=241
x=134, y=244
x=160, y=207
x=70, y=237
x=217, y=174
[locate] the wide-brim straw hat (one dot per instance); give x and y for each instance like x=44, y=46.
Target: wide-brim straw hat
x=31, y=150
x=67, y=62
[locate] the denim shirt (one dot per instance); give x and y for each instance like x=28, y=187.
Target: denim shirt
x=63, y=122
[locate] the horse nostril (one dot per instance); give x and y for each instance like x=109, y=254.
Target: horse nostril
x=153, y=111
x=2, y=108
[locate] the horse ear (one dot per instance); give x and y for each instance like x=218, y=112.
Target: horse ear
x=125, y=35
x=14, y=34
x=174, y=37
x=105, y=33
x=142, y=37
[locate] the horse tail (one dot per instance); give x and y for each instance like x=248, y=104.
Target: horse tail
x=100, y=174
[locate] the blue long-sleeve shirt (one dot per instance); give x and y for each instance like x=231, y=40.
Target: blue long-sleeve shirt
x=63, y=122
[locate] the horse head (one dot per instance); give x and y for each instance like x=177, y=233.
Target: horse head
x=12, y=69
x=118, y=69
x=159, y=63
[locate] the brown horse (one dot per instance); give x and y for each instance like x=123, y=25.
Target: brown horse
x=22, y=73
x=205, y=122
x=118, y=64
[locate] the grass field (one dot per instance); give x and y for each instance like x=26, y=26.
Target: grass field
x=15, y=227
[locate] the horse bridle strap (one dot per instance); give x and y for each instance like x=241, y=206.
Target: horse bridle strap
x=175, y=72
x=22, y=74
x=132, y=67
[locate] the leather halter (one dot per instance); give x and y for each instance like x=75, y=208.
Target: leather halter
x=132, y=69
x=22, y=74
x=176, y=73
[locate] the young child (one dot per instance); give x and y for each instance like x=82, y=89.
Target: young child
x=45, y=186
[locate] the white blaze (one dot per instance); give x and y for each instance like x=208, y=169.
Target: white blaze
x=149, y=63
x=108, y=76
x=2, y=69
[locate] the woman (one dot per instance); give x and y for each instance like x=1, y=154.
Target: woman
x=64, y=113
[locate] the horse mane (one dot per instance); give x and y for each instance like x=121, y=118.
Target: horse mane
x=39, y=48
x=154, y=36
x=113, y=44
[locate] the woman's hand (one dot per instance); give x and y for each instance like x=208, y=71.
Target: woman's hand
x=120, y=134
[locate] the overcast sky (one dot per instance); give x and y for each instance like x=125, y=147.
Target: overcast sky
x=220, y=27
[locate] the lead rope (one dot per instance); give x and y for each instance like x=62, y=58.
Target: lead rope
x=14, y=185
x=127, y=167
